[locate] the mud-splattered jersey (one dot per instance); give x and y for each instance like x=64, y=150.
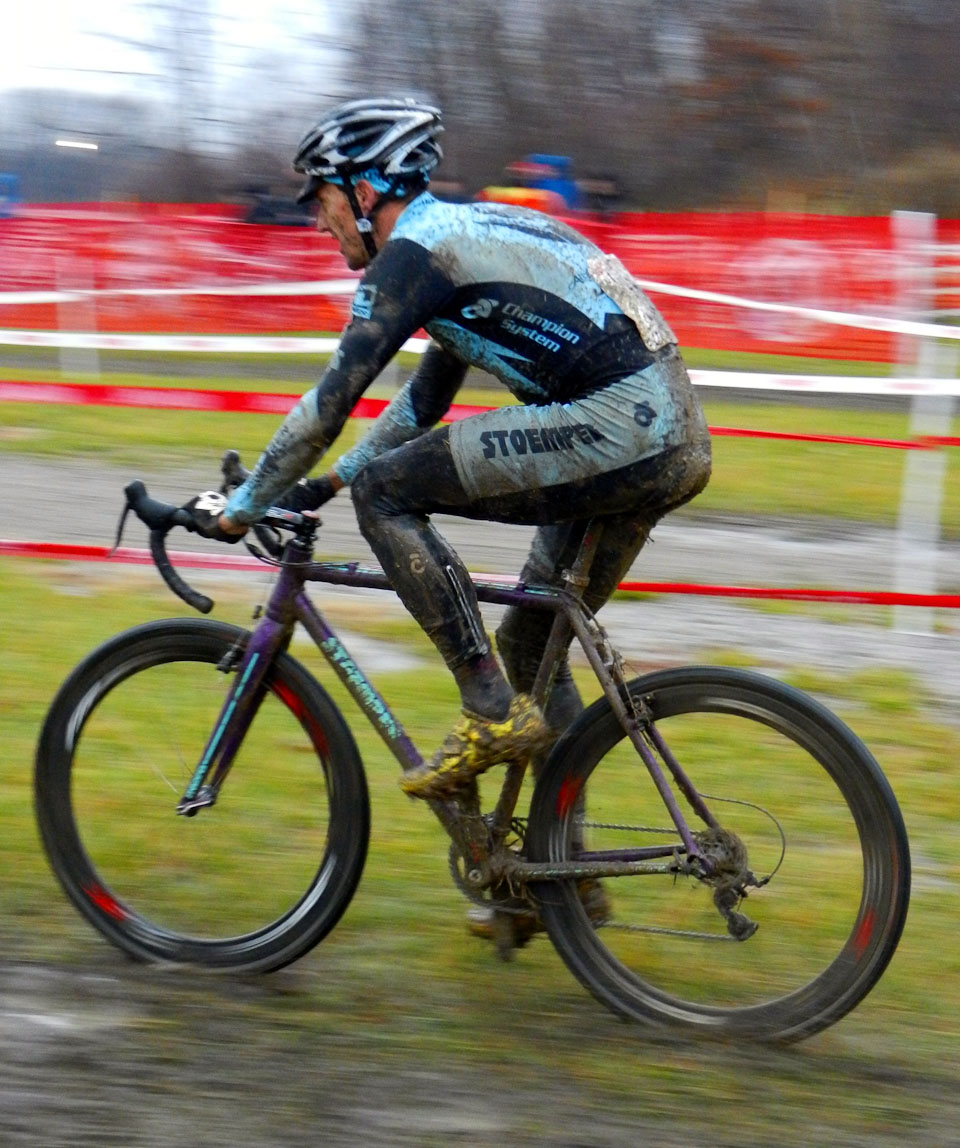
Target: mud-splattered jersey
x=497, y=287
x=507, y=290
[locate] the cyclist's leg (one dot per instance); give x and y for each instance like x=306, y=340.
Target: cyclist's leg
x=532, y=465
x=395, y=494
x=522, y=634
x=674, y=478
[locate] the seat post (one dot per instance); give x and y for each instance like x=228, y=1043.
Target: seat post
x=577, y=578
x=575, y=582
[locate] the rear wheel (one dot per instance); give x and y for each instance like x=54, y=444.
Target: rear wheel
x=795, y=787
x=250, y=883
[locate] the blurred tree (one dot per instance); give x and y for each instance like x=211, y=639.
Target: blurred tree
x=749, y=114
x=695, y=103
x=179, y=40
x=706, y=102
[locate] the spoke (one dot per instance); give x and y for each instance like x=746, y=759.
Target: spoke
x=685, y=933
x=163, y=777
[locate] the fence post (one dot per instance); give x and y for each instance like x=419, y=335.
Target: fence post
x=921, y=495
x=78, y=314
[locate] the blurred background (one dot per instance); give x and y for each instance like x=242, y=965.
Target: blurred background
x=825, y=105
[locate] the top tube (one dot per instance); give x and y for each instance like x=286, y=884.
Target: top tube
x=497, y=592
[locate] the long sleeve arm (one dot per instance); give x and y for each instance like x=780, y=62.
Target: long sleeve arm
x=401, y=290
x=419, y=405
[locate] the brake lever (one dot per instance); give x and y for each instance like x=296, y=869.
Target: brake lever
x=233, y=471
x=269, y=538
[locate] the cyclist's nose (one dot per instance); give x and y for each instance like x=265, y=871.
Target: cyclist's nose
x=322, y=226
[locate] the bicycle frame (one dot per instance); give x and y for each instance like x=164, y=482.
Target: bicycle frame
x=480, y=839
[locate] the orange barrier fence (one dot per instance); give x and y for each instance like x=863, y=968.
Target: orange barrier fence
x=833, y=263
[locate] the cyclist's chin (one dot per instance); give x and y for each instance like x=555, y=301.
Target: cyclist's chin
x=356, y=260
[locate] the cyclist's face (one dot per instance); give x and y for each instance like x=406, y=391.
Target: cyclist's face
x=335, y=217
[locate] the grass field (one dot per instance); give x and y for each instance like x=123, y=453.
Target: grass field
x=750, y=476
x=399, y=981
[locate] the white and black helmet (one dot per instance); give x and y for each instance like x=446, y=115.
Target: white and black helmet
x=394, y=139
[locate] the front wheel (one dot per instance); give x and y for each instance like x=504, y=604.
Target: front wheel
x=804, y=797
x=248, y=884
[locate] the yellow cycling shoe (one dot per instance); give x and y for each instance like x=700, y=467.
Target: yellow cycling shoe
x=475, y=745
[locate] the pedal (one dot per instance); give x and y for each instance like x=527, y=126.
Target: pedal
x=504, y=938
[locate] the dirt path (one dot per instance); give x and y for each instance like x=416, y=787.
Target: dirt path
x=115, y=1054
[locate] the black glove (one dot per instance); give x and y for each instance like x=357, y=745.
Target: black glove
x=205, y=510
x=308, y=494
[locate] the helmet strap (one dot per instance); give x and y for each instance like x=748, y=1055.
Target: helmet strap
x=365, y=222
x=364, y=225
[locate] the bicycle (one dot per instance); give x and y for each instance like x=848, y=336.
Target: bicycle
x=690, y=793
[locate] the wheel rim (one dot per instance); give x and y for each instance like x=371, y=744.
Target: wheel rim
x=826, y=919
x=234, y=874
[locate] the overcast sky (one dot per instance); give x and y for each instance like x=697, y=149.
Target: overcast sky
x=64, y=44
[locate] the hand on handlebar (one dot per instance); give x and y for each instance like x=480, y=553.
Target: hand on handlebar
x=203, y=515
x=207, y=518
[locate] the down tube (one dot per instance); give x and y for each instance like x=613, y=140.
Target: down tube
x=358, y=685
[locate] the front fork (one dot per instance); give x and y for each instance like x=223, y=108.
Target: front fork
x=239, y=709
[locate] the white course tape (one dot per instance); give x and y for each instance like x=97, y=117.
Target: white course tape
x=327, y=287
x=348, y=286
x=826, y=384
x=838, y=318
x=200, y=344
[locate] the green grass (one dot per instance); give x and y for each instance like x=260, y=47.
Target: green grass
x=750, y=476
x=705, y=358
x=399, y=983
x=813, y=480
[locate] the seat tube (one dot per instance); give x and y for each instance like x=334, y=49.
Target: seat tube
x=576, y=580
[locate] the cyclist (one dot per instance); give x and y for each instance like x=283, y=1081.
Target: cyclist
x=607, y=422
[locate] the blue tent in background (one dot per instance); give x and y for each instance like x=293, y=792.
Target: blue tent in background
x=549, y=173
x=9, y=194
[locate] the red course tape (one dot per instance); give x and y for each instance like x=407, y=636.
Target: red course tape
x=193, y=560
